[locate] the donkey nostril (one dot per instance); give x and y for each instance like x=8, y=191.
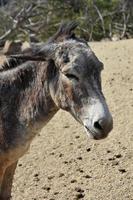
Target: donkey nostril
x=98, y=125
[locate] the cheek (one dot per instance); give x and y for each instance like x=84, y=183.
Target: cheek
x=68, y=89
x=66, y=95
x=74, y=95
x=61, y=93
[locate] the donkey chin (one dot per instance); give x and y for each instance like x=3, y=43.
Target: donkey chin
x=96, y=135
x=98, y=129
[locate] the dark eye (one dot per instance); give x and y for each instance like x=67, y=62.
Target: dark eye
x=71, y=76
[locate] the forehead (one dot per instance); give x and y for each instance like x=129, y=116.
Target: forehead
x=73, y=46
x=81, y=57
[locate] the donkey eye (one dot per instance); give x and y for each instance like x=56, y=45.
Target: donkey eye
x=71, y=77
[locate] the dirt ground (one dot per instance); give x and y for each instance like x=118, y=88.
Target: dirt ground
x=64, y=164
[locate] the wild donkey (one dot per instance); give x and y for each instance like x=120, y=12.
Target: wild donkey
x=31, y=92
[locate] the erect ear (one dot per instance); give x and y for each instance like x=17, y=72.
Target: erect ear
x=65, y=31
x=46, y=51
x=37, y=52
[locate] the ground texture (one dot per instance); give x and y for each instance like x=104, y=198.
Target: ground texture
x=63, y=164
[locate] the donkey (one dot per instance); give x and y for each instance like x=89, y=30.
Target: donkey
x=62, y=73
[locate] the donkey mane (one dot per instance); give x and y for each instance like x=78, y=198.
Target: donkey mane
x=19, y=77
x=11, y=63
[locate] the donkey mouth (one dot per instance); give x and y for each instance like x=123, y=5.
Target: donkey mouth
x=93, y=134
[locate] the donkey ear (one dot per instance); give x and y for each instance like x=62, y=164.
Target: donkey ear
x=38, y=52
x=46, y=51
x=65, y=31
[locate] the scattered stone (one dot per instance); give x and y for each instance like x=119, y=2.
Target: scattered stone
x=55, y=193
x=79, y=158
x=88, y=149
x=80, y=196
x=118, y=156
x=36, y=178
x=73, y=181
x=52, y=153
x=65, y=162
x=122, y=170
x=124, y=148
x=71, y=143
x=50, y=177
x=80, y=170
x=46, y=188
x=61, y=155
x=110, y=159
x=87, y=176
x=36, y=175
x=77, y=136
x=66, y=126
x=61, y=174
x=78, y=189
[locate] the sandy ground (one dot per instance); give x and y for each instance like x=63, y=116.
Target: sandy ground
x=63, y=164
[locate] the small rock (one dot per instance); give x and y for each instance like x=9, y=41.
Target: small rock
x=46, y=188
x=55, y=193
x=65, y=162
x=79, y=196
x=78, y=189
x=71, y=143
x=110, y=159
x=118, y=156
x=61, y=154
x=80, y=170
x=36, y=175
x=66, y=126
x=73, y=181
x=77, y=136
x=52, y=153
x=122, y=170
x=87, y=176
x=61, y=174
x=79, y=158
x=88, y=149
x=50, y=177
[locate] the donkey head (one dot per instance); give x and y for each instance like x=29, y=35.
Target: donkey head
x=75, y=80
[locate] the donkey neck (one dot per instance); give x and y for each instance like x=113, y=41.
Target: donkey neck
x=28, y=87
x=37, y=106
